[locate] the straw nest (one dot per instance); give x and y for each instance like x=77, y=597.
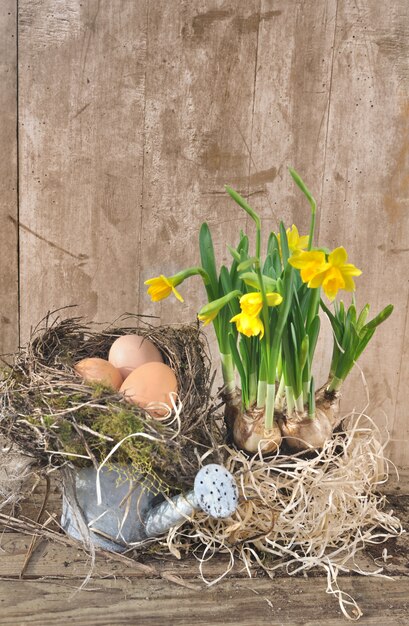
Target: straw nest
x=56, y=418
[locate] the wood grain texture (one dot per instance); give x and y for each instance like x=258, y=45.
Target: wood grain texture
x=366, y=194
x=135, y=114
x=9, y=326
x=199, y=98
x=292, y=91
x=256, y=602
x=82, y=82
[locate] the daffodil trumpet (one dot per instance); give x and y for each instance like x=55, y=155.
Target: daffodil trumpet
x=163, y=286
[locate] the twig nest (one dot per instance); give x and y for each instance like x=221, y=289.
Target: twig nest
x=305, y=432
x=55, y=417
x=249, y=433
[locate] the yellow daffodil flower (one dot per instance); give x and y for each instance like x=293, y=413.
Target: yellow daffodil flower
x=249, y=325
x=310, y=263
x=295, y=242
x=337, y=276
x=252, y=303
x=161, y=287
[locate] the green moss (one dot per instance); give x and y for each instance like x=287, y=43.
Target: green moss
x=99, y=390
x=142, y=453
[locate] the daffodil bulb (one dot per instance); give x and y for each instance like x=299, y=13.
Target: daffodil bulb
x=249, y=433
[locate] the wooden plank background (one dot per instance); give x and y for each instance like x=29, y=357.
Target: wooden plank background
x=133, y=115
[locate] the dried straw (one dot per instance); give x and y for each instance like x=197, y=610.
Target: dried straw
x=300, y=513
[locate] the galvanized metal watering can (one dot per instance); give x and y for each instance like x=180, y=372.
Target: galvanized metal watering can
x=120, y=511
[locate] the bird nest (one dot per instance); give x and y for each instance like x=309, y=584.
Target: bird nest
x=56, y=418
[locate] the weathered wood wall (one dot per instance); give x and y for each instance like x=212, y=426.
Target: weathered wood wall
x=133, y=114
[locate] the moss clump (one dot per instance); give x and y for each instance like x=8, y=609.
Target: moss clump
x=144, y=454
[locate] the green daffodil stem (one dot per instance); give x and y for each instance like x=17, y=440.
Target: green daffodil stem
x=306, y=390
x=335, y=384
x=301, y=184
x=312, y=226
x=270, y=401
x=261, y=394
x=299, y=403
x=290, y=400
x=262, y=383
x=192, y=271
x=266, y=340
x=258, y=243
x=228, y=372
x=280, y=394
x=313, y=305
x=253, y=388
x=276, y=343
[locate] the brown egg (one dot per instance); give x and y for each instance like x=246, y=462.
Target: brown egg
x=97, y=370
x=131, y=351
x=151, y=382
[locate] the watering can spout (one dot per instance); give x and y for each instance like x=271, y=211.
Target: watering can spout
x=215, y=493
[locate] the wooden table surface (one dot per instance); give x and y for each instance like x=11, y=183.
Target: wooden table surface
x=166, y=591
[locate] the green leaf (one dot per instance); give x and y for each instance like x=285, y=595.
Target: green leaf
x=280, y=325
x=342, y=315
x=225, y=283
x=272, y=244
x=311, y=398
x=381, y=317
x=242, y=252
x=313, y=333
x=251, y=279
x=240, y=368
x=278, y=268
x=244, y=265
x=337, y=326
x=268, y=267
x=234, y=253
x=352, y=314
x=364, y=340
x=284, y=244
x=227, y=286
x=245, y=354
x=208, y=260
x=362, y=318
